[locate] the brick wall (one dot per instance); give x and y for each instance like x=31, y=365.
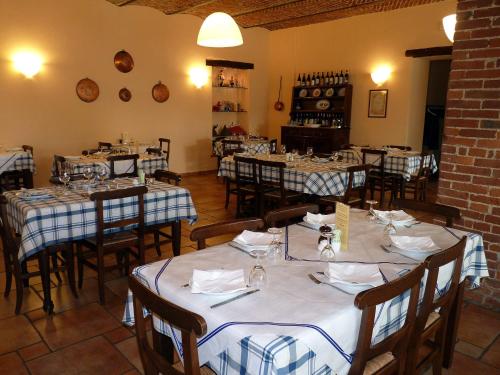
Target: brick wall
x=470, y=165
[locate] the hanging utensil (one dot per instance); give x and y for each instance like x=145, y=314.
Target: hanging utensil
x=279, y=104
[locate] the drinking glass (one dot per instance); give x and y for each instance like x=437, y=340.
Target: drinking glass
x=65, y=178
x=258, y=278
x=275, y=250
x=389, y=230
x=310, y=152
x=101, y=174
x=371, y=214
x=335, y=157
x=88, y=173
x=327, y=255
x=283, y=149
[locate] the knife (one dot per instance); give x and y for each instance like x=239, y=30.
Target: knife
x=234, y=298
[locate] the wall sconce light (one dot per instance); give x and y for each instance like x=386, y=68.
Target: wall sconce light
x=449, y=23
x=27, y=63
x=199, y=77
x=381, y=75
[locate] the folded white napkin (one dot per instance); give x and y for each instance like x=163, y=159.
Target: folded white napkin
x=409, y=243
x=253, y=240
x=319, y=219
x=368, y=274
x=217, y=281
x=399, y=217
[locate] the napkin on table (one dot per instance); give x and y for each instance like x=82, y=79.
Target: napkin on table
x=254, y=240
x=343, y=273
x=409, y=243
x=217, y=281
x=398, y=216
x=319, y=219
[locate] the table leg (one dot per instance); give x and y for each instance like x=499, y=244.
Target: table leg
x=452, y=328
x=176, y=237
x=43, y=264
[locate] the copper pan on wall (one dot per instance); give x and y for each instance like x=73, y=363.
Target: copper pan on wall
x=160, y=92
x=124, y=61
x=87, y=90
x=125, y=94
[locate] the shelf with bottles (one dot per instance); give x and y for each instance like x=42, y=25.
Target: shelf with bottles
x=324, y=119
x=231, y=87
x=228, y=106
x=323, y=79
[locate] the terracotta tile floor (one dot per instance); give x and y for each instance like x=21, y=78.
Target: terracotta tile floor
x=84, y=337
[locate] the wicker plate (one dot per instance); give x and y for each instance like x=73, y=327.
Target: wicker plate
x=87, y=90
x=160, y=92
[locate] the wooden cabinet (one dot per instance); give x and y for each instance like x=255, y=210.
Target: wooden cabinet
x=323, y=140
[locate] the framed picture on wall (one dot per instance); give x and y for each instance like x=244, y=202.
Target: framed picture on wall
x=377, y=104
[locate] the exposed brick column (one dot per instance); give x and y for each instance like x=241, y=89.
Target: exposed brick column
x=470, y=164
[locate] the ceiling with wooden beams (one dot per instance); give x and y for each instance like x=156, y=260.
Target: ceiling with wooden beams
x=276, y=14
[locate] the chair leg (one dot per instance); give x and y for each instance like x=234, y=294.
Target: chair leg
x=70, y=268
x=157, y=242
x=228, y=193
x=24, y=269
x=55, y=268
x=43, y=264
x=8, y=274
x=100, y=275
x=79, y=256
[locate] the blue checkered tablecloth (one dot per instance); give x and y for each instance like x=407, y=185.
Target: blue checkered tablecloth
x=294, y=325
x=148, y=163
x=406, y=163
x=306, y=177
x=72, y=216
x=250, y=146
x=16, y=161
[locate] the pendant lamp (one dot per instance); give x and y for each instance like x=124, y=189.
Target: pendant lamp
x=219, y=30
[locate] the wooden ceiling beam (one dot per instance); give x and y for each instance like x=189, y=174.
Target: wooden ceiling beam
x=431, y=51
x=126, y=2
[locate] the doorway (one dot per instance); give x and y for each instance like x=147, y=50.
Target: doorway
x=437, y=87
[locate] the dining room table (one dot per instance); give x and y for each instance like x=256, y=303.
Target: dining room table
x=318, y=176
x=397, y=161
x=294, y=324
x=16, y=159
x=76, y=164
x=55, y=215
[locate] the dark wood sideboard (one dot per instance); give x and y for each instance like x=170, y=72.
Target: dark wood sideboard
x=323, y=140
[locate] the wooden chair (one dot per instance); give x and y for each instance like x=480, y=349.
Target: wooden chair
x=428, y=339
x=200, y=234
x=418, y=183
x=378, y=179
x=153, y=357
x=271, y=191
x=404, y=148
x=447, y=212
x=159, y=150
x=286, y=214
x=157, y=230
x=59, y=166
x=118, y=158
x=247, y=186
x=348, y=197
x=273, y=146
x=16, y=179
x=104, y=146
x=19, y=270
x=119, y=243
x=229, y=147
x=389, y=355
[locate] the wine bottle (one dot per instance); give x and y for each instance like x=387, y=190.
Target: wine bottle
x=308, y=81
x=297, y=83
x=336, y=80
x=327, y=79
x=322, y=79
x=303, y=82
x=346, y=76
x=317, y=79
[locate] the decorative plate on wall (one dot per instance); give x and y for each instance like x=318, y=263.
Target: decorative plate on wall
x=303, y=93
x=316, y=92
x=125, y=94
x=329, y=92
x=160, y=92
x=322, y=104
x=124, y=61
x=87, y=90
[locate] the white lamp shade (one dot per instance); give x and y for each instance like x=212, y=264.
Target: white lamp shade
x=219, y=30
x=449, y=23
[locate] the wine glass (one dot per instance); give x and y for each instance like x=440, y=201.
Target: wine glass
x=389, y=229
x=327, y=254
x=88, y=173
x=101, y=174
x=371, y=213
x=275, y=251
x=335, y=157
x=283, y=149
x=258, y=278
x=65, y=178
x=309, y=152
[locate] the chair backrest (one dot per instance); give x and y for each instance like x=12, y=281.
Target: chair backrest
x=266, y=180
x=444, y=299
x=28, y=148
x=397, y=342
x=404, y=148
x=117, y=158
x=230, y=146
x=9, y=244
x=242, y=175
x=285, y=214
x=153, y=151
x=169, y=177
x=200, y=234
x=190, y=324
x=101, y=146
x=380, y=168
x=166, y=151
x=137, y=220
x=59, y=164
x=273, y=146
x=351, y=171
x=448, y=212
x=90, y=151
x=425, y=169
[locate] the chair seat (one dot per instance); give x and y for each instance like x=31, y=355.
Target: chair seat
x=114, y=239
x=204, y=370
x=433, y=316
x=377, y=363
